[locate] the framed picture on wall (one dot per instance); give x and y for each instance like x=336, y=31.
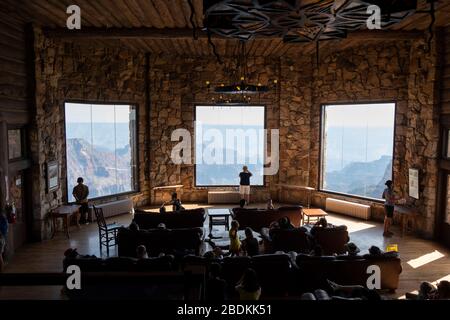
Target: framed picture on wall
x=52, y=175
x=15, y=147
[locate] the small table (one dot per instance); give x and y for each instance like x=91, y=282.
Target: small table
x=219, y=217
x=313, y=213
x=407, y=216
x=65, y=212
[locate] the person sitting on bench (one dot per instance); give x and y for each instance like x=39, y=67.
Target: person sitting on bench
x=175, y=202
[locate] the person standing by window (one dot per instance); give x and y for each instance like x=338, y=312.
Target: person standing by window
x=80, y=193
x=389, y=202
x=244, y=185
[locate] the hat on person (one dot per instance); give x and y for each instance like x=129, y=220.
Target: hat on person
x=352, y=248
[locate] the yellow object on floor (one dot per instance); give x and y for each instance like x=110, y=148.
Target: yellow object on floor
x=392, y=247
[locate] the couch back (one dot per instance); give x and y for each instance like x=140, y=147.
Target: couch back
x=332, y=240
x=290, y=240
x=173, y=220
x=273, y=270
x=172, y=241
x=120, y=264
x=314, y=271
x=261, y=218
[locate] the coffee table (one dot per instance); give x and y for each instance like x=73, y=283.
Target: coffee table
x=312, y=213
x=219, y=217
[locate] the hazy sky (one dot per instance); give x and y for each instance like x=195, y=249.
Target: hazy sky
x=359, y=115
x=104, y=113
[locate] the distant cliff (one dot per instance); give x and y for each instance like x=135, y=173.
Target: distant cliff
x=105, y=172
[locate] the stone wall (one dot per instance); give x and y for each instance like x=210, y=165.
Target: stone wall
x=368, y=72
x=402, y=72
x=88, y=73
x=177, y=86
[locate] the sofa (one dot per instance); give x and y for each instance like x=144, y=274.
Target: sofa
x=298, y=240
x=260, y=218
x=313, y=272
x=171, y=241
x=274, y=271
x=332, y=240
x=173, y=220
x=122, y=278
x=120, y=264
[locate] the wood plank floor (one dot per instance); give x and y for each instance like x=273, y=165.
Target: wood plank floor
x=422, y=260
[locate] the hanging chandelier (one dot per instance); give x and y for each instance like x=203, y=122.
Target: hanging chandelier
x=240, y=84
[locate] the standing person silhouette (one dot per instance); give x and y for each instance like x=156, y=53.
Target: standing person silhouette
x=389, y=203
x=244, y=185
x=80, y=193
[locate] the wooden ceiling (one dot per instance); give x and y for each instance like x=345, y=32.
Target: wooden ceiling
x=175, y=15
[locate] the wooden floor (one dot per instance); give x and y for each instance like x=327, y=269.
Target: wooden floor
x=421, y=260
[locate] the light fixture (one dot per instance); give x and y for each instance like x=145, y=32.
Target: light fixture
x=241, y=86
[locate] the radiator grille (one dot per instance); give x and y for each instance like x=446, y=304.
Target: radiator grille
x=357, y=210
x=223, y=197
x=115, y=208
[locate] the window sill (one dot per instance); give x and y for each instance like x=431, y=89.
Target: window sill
x=111, y=198
x=346, y=195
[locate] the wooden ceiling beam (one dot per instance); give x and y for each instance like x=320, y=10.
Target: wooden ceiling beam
x=181, y=33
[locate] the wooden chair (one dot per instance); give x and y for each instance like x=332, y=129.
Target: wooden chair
x=107, y=233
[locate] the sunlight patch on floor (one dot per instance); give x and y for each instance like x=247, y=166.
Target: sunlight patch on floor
x=446, y=278
x=425, y=259
x=352, y=226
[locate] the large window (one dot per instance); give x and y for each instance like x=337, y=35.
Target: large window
x=357, y=148
x=101, y=148
x=227, y=138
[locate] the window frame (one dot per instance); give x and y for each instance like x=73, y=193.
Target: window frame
x=135, y=172
x=321, y=147
x=264, y=106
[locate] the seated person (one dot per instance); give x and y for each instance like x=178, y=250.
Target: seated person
x=322, y=223
x=270, y=205
x=285, y=223
x=354, y=292
x=141, y=252
x=248, y=287
x=133, y=226
x=429, y=291
x=317, y=251
x=351, y=249
x=175, y=202
x=242, y=203
x=215, y=285
x=73, y=253
x=161, y=226
x=215, y=253
x=268, y=232
x=250, y=244
x=375, y=252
